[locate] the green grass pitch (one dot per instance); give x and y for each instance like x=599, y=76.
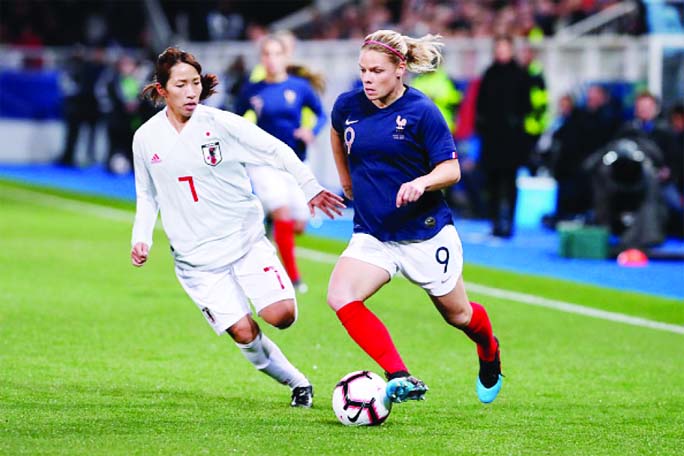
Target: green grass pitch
x=97, y=357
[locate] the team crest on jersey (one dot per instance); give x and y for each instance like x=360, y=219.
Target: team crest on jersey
x=212, y=153
x=257, y=104
x=290, y=96
x=399, y=129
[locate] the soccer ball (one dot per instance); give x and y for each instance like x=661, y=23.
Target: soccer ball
x=359, y=399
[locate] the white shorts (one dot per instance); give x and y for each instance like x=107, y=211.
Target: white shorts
x=276, y=189
x=223, y=294
x=435, y=264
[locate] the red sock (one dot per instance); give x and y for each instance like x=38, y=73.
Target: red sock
x=371, y=334
x=480, y=331
x=283, y=235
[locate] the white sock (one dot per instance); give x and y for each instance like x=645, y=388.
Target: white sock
x=267, y=357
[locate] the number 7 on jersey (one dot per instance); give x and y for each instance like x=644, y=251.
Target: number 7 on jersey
x=191, y=183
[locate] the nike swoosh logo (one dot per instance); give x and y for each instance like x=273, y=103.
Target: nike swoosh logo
x=355, y=417
x=350, y=122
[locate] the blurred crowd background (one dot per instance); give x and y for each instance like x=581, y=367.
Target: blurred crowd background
x=602, y=126
x=102, y=23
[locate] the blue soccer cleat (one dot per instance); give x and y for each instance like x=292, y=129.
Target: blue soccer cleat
x=489, y=380
x=402, y=389
x=487, y=395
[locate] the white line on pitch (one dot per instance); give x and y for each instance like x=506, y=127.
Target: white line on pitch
x=59, y=202
x=123, y=215
x=525, y=298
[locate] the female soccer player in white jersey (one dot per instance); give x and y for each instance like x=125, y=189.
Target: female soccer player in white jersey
x=190, y=165
x=394, y=152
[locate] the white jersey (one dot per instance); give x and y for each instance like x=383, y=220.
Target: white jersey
x=197, y=179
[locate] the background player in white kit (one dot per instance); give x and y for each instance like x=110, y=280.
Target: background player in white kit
x=190, y=164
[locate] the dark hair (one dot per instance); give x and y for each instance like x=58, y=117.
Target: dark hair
x=162, y=71
x=677, y=109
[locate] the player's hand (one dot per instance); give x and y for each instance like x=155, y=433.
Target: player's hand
x=139, y=254
x=410, y=192
x=304, y=134
x=327, y=202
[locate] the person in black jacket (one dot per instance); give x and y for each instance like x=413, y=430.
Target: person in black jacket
x=122, y=88
x=674, y=189
x=573, y=198
x=502, y=103
x=80, y=105
x=582, y=131
x=647, y=126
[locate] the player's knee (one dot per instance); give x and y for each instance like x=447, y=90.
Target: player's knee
x=286, y=319
x=459, y=317
x=281, y=314
x=338, y=297
x=244, y=331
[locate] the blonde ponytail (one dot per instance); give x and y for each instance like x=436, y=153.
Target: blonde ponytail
x=421, y=55
x=424, y=54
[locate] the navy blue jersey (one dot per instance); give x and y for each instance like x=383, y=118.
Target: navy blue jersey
x=387, y=147
x=278, y=106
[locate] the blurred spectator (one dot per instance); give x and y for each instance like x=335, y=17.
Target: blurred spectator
x=576, y=134
x=676, y=159
x=100, y=23
x=33, y=43
x=225, y=22
x=123, y=90
x=545, y=16
x=471, y=18
x=502, y=103
x=234, y=78
x=467, y=196
x=80, y=104
x=674, y=191
x=600, y=120
x=439, y=87
x=562, y=143
x=70, y=22
x=646, y=126
x=536, y=120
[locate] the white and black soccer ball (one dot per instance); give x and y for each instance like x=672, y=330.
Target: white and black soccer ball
x=359, y=399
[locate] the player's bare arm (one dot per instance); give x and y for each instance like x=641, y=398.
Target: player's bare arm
x=445, y=174
x=328, y=202
x=340, y=156
x=139, y=254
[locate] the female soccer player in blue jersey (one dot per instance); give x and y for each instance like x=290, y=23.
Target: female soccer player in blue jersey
x=394, y=153
x=277, y=102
